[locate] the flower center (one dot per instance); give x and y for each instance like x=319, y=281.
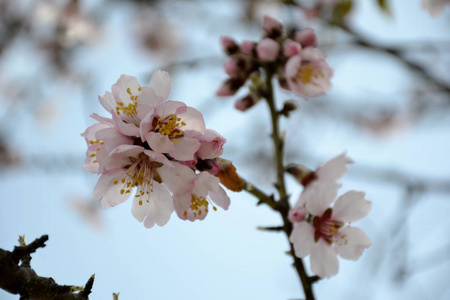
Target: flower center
x=170, y=127
x=308, y=73
x=326, y=227
x=198, y=205
x=140, y=174
x=128, y=110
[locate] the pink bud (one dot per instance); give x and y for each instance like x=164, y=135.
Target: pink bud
x=215, y=168
x=307, y=37
x=229, y=87
x=272, y=26
x=291, y=48
x=297, y=214
x=211, y=145
x=229, y=45
x=231, y=68
x=247, y=47
x=245, y=103
x=189, y=163
x=268, y=49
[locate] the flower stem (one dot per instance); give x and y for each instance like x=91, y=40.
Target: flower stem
x=283, y=206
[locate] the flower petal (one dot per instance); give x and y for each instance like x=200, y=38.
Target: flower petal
x=322, y=196
x=324, y=260
x=351, y=243
x=351, y=207
x=161, y=84
x=334, y=168
x=108, y=191
x=302, y=237
x=159, y=143
x=158, y=208
x=184, y=149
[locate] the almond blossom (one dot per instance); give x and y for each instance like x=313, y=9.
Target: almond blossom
x=324, y=233
x=101, y=138
x=308, y=73
x=150, y=174
x=195, y=203
x=434, y=7
x=174, y=128
x=152, y=150
x=129, y=103
x=291, y=58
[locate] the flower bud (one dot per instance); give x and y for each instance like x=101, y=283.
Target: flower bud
x=211, y=145
x=229, y=46
x=300, y=173
x=248, y=48
x=297, y=214
x=306, y=37
x=272, y=27
x=268, y=49
x=247, y=102
x=291, y=48
x=288, y=107
x=229, y=87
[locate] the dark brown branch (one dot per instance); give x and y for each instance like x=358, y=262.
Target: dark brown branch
x=22, y=280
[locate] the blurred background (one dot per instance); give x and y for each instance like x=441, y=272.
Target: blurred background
x=389, y=108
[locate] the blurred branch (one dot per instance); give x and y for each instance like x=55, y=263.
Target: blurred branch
x=22, y=280
x=397, y=53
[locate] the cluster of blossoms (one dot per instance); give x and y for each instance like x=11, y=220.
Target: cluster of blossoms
x=324, y=232
x=435, y=7
x=157, y=150
x=296, y=62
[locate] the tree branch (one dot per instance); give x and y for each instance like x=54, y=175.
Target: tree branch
x=22, y=280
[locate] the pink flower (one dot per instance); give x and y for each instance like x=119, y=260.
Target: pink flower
x=268, y=49
x=211, y=145
x=229, y=87
x=308, y=74
x=129, y=102
x=434, y=7
x=306, y=37
x=291, y=48
x=324, y=235
x=101, y=138
x=195, y=204
x=152, y=175
x=272, y=26
x=173, y=128
x=332, y=170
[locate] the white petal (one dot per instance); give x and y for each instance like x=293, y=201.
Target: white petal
x=307, y=195
x=159, y=143
x=185, y=148
x=110, y=192
x=302, y=237
x=351, y=207
x=351, y=243
x=220, y=198
x=107, y=101
x=324, y=260
x=168, y=108
x=158, y=208
x=120, y=157
x=335, y=168
x=182, y=203
x=161, y=83
x=178, y=179
x=127, y=129
x=323, y=194
x=147, y=101
x=195, y=125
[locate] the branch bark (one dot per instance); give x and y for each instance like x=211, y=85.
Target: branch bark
x=22, y=279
